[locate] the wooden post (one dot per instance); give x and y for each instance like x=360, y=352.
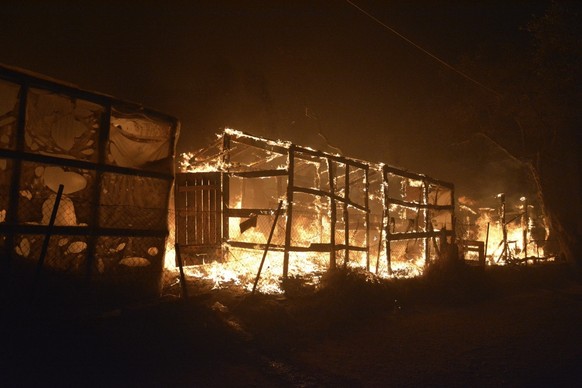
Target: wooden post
x=387, y=225
x=487, y=240
x=267, y=246
x=347, y=216
x=103, y=141
x=525, y=223
x=225, y=187
x=48, y=234
x=289, y=225
x=182, y=277
x=427, y=227
x=14, y=196
x=333, y=215
x=453, y=226
x=366, y=205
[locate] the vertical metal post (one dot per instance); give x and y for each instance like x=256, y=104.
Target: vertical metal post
x=290, y=190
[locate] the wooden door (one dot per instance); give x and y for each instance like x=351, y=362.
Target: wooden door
x=198, y=215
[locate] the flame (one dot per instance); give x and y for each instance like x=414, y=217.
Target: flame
x=239, y=266
x=519, y=245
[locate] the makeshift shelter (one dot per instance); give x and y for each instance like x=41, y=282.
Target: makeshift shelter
x=115, y=161
x=335, y=210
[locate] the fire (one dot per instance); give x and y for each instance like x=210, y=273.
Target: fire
x=521, y=242
x=257, y=172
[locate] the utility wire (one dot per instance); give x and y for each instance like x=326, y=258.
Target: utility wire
x=442, y=62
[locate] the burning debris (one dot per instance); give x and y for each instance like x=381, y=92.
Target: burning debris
x=337, y=211
x=508, y=234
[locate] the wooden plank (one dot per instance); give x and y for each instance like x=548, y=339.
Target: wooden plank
x=182, y=189
x=282, y=248
x=259, y=173
x=416, y=235
x=417, y=205
x=412, y=175
x=259, y=143
x=328, y=194
x=81, y=164
x=340, y=159
x=241, y=213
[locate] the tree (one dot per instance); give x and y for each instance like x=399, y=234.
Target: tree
x=535, y=115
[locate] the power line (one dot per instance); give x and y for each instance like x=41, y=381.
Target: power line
x=442, y=62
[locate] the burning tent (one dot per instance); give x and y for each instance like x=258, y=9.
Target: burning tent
x=335, y=211
x=108, y=164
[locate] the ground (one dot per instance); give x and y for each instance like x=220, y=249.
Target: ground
x=511, y=327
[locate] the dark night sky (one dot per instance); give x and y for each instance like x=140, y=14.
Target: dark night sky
x=256, y=66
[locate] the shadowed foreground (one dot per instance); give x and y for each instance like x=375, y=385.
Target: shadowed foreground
x=516, y=327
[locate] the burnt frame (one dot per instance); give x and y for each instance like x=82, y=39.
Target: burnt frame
x=337, y=198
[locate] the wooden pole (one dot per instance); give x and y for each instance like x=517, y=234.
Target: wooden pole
x=487, y=239
x=333, y=215
x=289, y=225
x=525, y=227
x=367, y=206
x=267, y=246
x=380, y=243
x=182, y=277
x=225, y=190
x=387, y=210
x=347, y=216
x=427, y=222
x=48, y=234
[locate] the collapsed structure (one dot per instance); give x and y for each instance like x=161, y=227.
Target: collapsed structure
x=115, y=162
x=336, y=210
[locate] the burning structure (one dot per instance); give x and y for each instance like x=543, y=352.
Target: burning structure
x=310, y=210
x=85, y=183
x=505, y=234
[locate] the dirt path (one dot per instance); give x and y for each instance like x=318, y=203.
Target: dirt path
x=531, y=339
